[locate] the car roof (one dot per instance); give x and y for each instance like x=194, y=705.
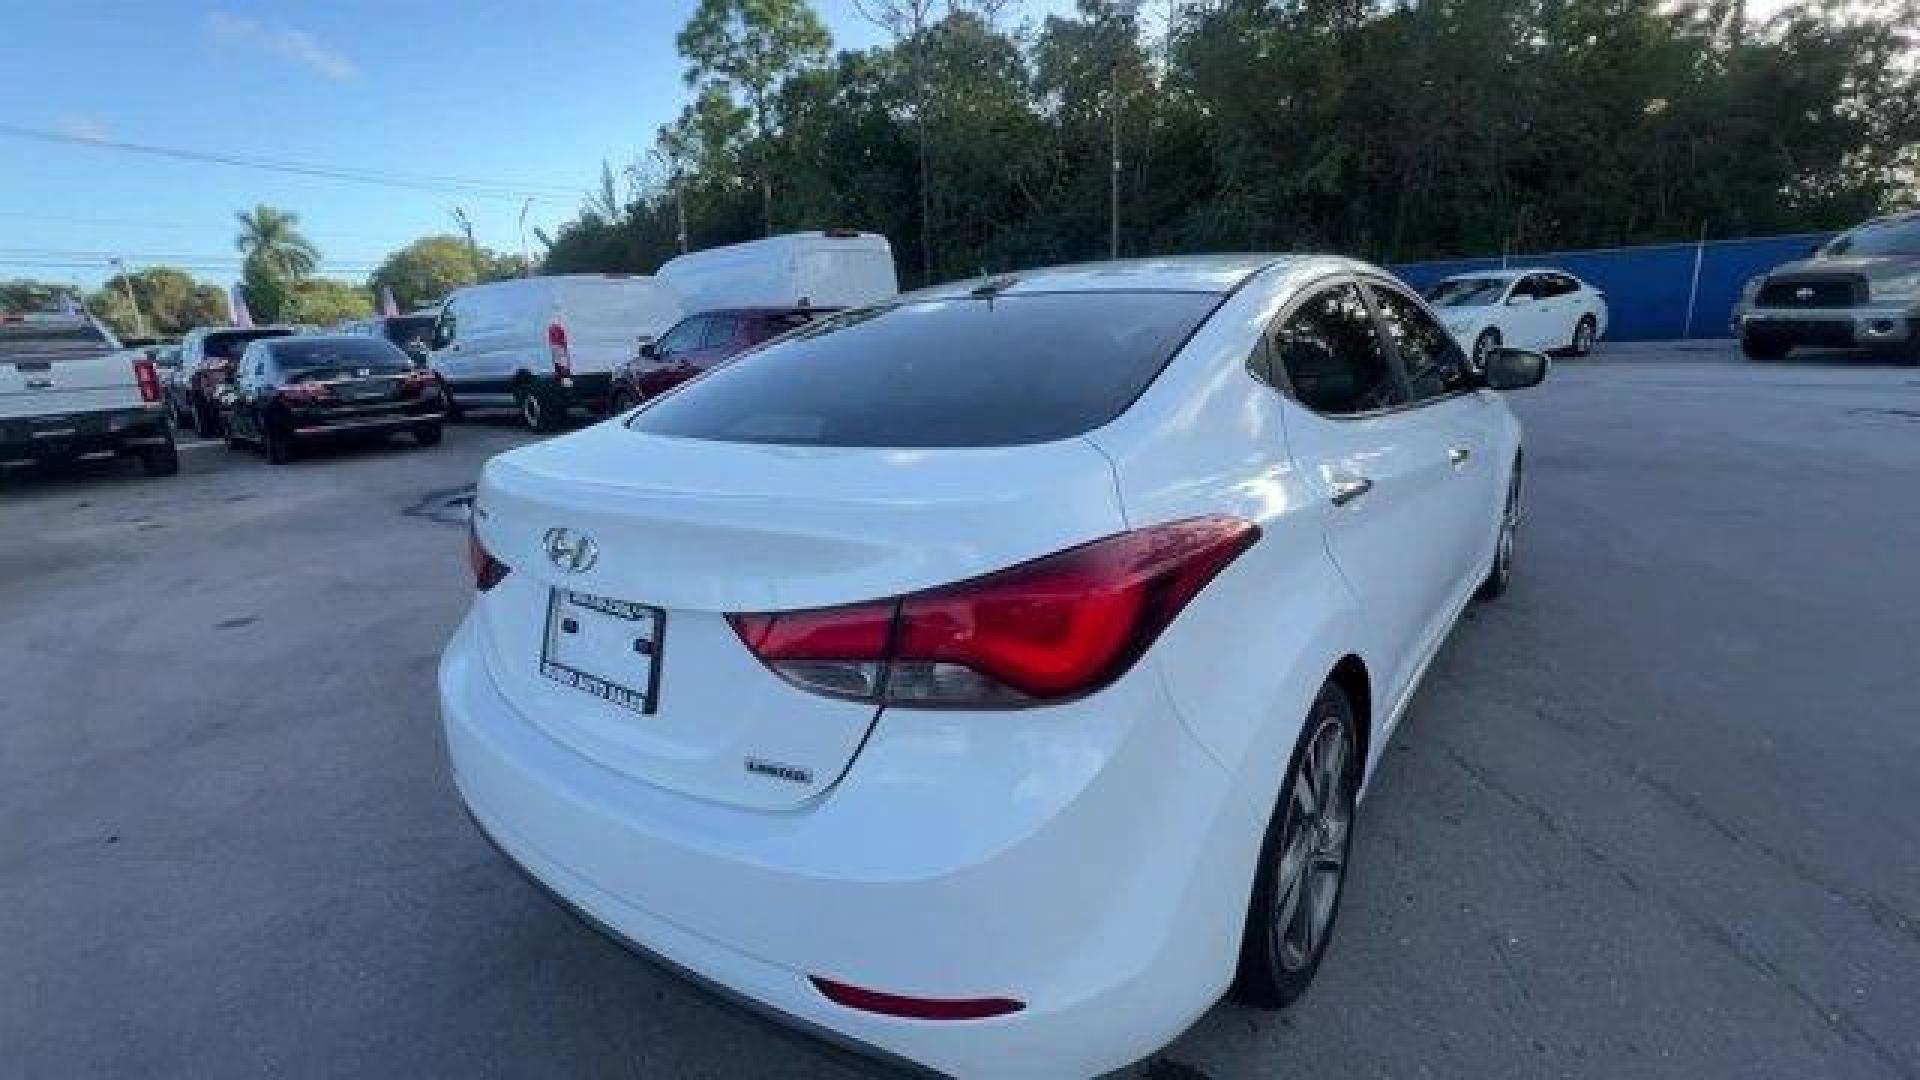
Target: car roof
x=1173, y=273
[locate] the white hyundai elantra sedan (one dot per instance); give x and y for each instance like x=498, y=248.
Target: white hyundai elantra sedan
x=989, y=678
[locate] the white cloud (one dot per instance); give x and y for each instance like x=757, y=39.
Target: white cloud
x=76, y=125
x=284, y=41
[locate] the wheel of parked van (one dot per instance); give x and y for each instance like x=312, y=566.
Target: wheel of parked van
x=536, y=408
x=1584, y=334
x=1763, y=346
x=1502, y=572
x=160, y=460
x=1488, y=341
x=1303, y=861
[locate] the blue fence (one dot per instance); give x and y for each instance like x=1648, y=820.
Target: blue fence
x=1648, y=288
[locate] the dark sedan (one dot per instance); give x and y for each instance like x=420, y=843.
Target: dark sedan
x=697, y=343
x=289, y=390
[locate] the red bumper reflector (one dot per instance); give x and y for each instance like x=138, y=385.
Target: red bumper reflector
x=873, y=1001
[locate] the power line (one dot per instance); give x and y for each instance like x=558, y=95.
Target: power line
x=134, y=223
x=438, y=185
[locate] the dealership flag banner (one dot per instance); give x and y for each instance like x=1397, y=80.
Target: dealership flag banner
x=241, y=316
x=387, y=306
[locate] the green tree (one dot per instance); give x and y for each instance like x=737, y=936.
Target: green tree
x=753, y=46
x=171, y=302
x=268, y=291
x=426, y=270
x=273, y=236
x=327, y=302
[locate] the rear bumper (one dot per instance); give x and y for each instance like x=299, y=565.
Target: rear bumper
x=586, y=390
x=315, y=426
x=1831, y=327
x=1088, y=875
x=68, y=435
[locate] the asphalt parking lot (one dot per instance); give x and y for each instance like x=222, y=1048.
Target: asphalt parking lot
x=1653, y=813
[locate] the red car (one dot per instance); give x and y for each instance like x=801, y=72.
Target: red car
x=697, y=343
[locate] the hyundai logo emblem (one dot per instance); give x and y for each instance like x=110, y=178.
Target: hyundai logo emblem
x=571, y=551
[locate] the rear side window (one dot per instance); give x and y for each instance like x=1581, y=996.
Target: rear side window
x=966, y=371
x=1434, y=362
x=1333, y=356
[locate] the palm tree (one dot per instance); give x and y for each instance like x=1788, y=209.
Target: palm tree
x=272, y=236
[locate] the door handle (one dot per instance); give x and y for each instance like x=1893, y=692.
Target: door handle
x=1458, y=455
x=1348, y=488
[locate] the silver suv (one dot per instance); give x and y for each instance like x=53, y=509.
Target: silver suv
x=1859, y=290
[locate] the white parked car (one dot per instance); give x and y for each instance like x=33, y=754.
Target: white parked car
x=1545, y=310
x=989, y=678
x=545, y=346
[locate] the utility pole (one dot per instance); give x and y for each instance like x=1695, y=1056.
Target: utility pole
x=526, y=264
x=1113, y=180
x=680, y=208
x=126, y=282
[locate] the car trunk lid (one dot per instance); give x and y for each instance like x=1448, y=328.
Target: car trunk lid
x=626, y=654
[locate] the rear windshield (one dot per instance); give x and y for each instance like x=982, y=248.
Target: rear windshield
x=1467, y=292
x=228, y=344
x=312, y=354
x=409, y=329
x=31, y=339
x=1900, y=236
x=967, y=371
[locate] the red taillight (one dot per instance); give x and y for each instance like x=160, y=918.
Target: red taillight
x=557, y=347
x=487, y=570
x=1051, y=629
x=148, y=378
x=917, y=1008
x=418, y=383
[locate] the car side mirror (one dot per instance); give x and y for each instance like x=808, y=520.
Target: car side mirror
x=1515, y=369
x=646, y=347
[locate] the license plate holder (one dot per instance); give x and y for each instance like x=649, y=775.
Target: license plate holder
x=603, y=647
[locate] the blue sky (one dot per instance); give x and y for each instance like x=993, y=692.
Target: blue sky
x=531, y=95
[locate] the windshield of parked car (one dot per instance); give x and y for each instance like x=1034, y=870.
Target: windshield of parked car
x=1877, y=238
x=960, y=371
x=228, y=344
x=317, y=354
x=1467, y=292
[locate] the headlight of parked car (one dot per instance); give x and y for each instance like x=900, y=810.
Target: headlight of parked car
x=1902, y=289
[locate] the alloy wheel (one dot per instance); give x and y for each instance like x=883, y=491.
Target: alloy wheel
x=1313, y=851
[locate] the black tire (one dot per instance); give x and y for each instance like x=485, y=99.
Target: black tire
x=1584, y=334
x=1488, y=341
x=279, y=443
x=620, y=402
x=1764, y=347
x=455, y=414
x=1501, y=574
x=160, y=460
x=1276, y=964
x=538, y=408
x=427, y=434
x=205, y=420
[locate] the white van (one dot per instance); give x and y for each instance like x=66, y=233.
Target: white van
x=545, y=345
x=837, y=268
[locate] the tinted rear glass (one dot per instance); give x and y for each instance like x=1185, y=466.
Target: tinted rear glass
x=229, y=344
x=409, y=328
x=50, y=340
x=309, y=354
x=954, y=372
